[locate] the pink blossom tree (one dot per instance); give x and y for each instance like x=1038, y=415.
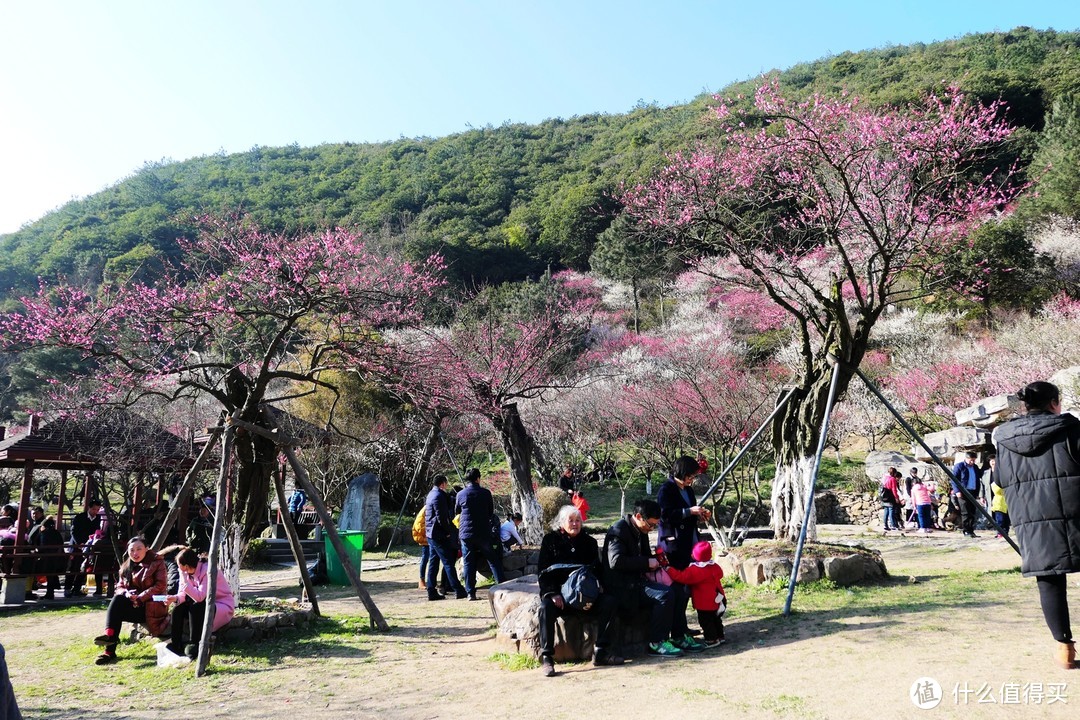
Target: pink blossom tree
x=834, y=211
x=499, y=351
x=245, y=317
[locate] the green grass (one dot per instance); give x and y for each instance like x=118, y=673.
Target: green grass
x=514, y=661
x=69, y=677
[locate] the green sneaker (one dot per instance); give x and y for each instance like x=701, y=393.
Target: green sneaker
x=688, y=644
x=664, y=649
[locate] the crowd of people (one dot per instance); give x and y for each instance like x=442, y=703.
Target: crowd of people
x=636, y=577
x=92, y=545
x=913, y=502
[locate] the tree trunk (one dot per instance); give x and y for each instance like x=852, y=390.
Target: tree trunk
x=796, y=432
x=256, y=458
x=518, y=447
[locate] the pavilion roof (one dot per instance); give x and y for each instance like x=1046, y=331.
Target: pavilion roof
x=111, y=439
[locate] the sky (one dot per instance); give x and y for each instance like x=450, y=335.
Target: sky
x=92, y=90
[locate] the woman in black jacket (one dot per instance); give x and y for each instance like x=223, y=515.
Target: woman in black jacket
x=1038, y=465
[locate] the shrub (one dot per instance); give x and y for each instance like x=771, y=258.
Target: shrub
x=256, y=553
x=550, y=499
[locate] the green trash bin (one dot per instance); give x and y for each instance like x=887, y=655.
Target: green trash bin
x=353, y=540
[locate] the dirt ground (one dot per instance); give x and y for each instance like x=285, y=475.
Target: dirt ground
x=836, y=663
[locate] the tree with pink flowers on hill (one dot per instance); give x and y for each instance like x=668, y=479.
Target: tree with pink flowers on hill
x=833, y=211
x=245, y=317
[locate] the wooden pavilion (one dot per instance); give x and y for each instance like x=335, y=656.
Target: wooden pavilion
x=112, y=440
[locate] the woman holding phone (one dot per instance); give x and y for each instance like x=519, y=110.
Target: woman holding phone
x=190, y=601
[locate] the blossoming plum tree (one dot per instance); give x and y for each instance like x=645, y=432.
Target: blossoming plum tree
x=497, y=352
x=246, y=317
x=834, y=211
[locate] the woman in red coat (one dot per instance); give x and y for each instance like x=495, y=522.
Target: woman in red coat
x=142, y=577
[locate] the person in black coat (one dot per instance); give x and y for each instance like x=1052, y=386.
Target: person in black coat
x=9, y=709
x=477, y=509
x=442, y=539
x=679, y=515
x=567, y=545
x=1038, y=465
x=49, y=546
x=627, y=557
x=83, y=526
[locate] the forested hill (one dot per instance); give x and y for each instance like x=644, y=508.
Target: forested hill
x=502, y=203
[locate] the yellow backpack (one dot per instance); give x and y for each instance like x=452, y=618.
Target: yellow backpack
x=419, y=527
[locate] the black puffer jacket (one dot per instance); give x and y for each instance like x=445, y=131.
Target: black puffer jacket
x=1039, y=467
x=626, y=560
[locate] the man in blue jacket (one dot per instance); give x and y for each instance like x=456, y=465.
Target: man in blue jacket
x=442, y=538
x=477, y=510
x=970, y=474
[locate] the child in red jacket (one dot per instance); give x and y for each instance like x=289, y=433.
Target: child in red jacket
x=706, y=592
x=581, y=504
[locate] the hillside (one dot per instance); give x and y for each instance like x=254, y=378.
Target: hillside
x=501, y=203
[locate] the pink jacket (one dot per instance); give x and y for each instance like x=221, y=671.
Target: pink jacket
x=195, y=586
x=920, y=493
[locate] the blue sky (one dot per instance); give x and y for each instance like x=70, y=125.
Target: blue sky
x=90, y=91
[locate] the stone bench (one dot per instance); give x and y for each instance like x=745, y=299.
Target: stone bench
x=516, y=607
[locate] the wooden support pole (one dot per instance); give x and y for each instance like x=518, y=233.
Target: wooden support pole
x=215, y=553
x=294, y=542
x=186, y=488
x=61, y=499
x=89, y=487
x=377, y=619
x=136, y=503
x=23, y=515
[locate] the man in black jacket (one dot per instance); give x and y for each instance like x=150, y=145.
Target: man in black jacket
x=569, y=546
x=83, y=526
x=627, y=557
x=477, y=509
x=442, y=539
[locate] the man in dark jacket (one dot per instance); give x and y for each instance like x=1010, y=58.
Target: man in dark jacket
x=970, y=474
x=477, y=510
x=200, y=530
x=1038, y=465
x=627, y=557
x=49, y=545
x=83, y=526
x=442, y=539
x=567, y=545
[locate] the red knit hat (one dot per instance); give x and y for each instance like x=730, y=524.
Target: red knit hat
x=702, y=552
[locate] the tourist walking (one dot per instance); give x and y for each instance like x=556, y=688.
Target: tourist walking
x=1038, y=465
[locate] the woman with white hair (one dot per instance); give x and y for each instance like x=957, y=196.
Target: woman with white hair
x=566, y=545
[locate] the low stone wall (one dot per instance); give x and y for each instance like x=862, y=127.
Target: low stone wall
x=842, y=565
x=836, y=507
x=253, y=627
x=246, y=628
